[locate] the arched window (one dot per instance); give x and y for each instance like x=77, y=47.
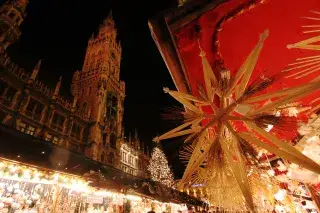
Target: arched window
x=18, y=20
x=111, y=158
x=113, y=140
x=113, y=55
x=82, y=92
x=112, y=105
x=89, y=90
x=104, y=138
x=12, y=14
x=84, y=106
x=102, y=157
x=91, y=65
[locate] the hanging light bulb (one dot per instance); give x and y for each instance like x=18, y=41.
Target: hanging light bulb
x=280, y=195
x=269, y=127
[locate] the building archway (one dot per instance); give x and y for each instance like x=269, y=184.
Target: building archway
x=102, y=157
x=113, y=140
x=111, y=158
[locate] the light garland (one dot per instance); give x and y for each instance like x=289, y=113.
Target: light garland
x=16, y=172
x=159, y=169
x=37, y=190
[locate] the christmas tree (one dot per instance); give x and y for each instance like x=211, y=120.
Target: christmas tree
x=159, y=168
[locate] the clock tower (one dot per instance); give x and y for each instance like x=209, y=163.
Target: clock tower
x=99, y=90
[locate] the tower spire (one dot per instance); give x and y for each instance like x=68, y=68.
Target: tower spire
x=35, y=72
x=12, y=14
x=57, y=89
x=109, y=22
x=110, y=15
x=21, y=4
x=135, y=134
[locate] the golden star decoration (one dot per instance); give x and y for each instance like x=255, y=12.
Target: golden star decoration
x=217, y=151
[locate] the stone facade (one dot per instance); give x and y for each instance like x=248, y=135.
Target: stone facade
x=92, y=122
x=12, y=14
x=133, y=161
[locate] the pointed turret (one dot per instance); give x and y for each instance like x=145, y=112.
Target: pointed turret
x=35, y=72
x=142, y=147
x=109, y=18
x=148, y=152
x=108, y=24
x=74, y=103
x=135, y=134
x=57, y=89
x=136, y=140
x=21, y=5
x=130, y=139
x=12, y=14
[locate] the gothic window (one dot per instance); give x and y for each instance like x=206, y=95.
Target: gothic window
x=112, y=105
x=124, y=157
x=34, y=109
x=76, y=131
x=113, y=55
x=57, y=121
x=91, y=65
x=82, y=92
x=104, y=138
x=111, y=158
x=111, y=69
x=23, y=127
x=30, y=130
x=12, y=14
x=48, y=137
x=84, y=107
x=113, y=140
x=89, y=90
x=55, y=140
x=18, y=20
x=102, y=157
x=3, y=86
x=9, y=96
x=2, y=116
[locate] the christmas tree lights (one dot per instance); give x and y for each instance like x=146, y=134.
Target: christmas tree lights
x=159, y=168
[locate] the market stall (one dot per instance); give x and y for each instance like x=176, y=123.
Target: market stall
x=51, y=159
x=26, y=188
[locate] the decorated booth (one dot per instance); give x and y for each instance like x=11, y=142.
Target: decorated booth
x=25, y=188
x=37, y=176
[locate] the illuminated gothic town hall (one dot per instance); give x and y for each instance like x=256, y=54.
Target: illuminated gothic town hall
x=188, y=106
x=91, y=123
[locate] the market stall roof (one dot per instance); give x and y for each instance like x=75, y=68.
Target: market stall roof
x=165, y=23
x=18, y=146
x=227, y=31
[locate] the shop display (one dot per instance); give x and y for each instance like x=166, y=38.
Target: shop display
x=27, y=189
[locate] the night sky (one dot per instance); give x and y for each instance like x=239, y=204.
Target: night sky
x=57, y=32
